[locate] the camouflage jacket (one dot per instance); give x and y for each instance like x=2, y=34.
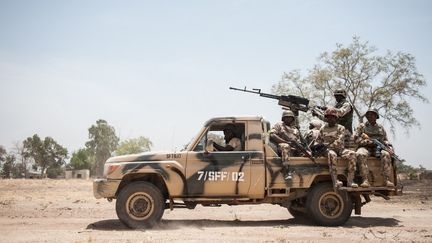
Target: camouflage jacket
x=345, y=114
x=377, y=131
x=311, y=135
x=286, y=132
x=332, y=137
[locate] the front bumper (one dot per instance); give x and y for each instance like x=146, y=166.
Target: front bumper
x=103, y=188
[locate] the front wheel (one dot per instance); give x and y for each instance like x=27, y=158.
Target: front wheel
x=140, y=205
x=327, y=207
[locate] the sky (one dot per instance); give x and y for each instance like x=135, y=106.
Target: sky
x=160, y=69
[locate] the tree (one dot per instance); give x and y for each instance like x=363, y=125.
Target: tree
x=22, y=157
x=386, y=82
x=82, y=159
x=102, y=143
x=134, y=146
x=8, y=165
x=46, y=153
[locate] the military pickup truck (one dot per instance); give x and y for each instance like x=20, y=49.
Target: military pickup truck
x=146, y=184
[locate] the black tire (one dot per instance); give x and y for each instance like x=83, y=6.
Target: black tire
x=298, y=208
x=328, y=208
x=297, y=214
x=140, y=205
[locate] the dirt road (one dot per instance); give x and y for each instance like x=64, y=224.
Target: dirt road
x=66, y=211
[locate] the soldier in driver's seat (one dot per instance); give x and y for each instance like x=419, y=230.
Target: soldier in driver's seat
x=233, y=143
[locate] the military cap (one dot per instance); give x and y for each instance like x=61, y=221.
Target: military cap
x=330, y=112
x=341, y=92
x=287, y=113
x=373, y=110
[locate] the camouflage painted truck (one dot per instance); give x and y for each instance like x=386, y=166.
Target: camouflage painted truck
x=144, y=185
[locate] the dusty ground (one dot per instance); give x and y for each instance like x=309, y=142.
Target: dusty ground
x=65, y=211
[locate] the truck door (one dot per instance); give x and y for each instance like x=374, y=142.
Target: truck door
x=218, y=173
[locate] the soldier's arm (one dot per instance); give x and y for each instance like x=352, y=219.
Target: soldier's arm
x=222, y=148
x=274, y=137
x=358, y=133
x=345, y=109
x=319, y=138
x=318, y=115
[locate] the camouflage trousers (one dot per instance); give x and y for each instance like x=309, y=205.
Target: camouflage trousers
x=362, y=156
x=285, y=154
x=345, y=154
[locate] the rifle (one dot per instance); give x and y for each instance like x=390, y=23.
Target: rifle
x=306, y=151
x=380, y=146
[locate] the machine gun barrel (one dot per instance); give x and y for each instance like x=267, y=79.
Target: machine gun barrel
x=293, y=102
x=257, y=91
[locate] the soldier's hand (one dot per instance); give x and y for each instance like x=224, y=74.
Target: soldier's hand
x=366, y=142
x=390, y=150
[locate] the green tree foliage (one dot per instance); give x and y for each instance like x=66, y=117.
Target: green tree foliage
x=8, y=166
x=46, y=153
x=134, y=146
x=102, y=143
x=386, y=82
x=82, y=159
x=22, y=157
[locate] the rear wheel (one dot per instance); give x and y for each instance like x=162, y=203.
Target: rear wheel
x=140, y=205
x=327, y=207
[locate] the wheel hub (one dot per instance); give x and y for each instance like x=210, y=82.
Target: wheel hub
x=139, y=206
x=331, y=205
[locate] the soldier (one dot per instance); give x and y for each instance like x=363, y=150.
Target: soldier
x=363, y=135
x=312, y=134
x=283, y=133
x=233, y=143
x=344, y=111
x=332, y=135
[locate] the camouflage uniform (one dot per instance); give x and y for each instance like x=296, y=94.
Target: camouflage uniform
x=344, y=112
x=287, y=133
x=333, y=138
x=345, y=115
x=365, y=148
x=313, y=133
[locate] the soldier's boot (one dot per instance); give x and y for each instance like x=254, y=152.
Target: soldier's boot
x=288, y=176
x=339, y=183
x=286, y=169
x=365, y=184
x=350, y=180
x=388, y=183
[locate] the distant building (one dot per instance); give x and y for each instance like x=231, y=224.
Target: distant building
x=427, y=174
x=77, y=174
x=34, y=174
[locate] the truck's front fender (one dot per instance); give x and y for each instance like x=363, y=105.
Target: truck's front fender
x=171, y=172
